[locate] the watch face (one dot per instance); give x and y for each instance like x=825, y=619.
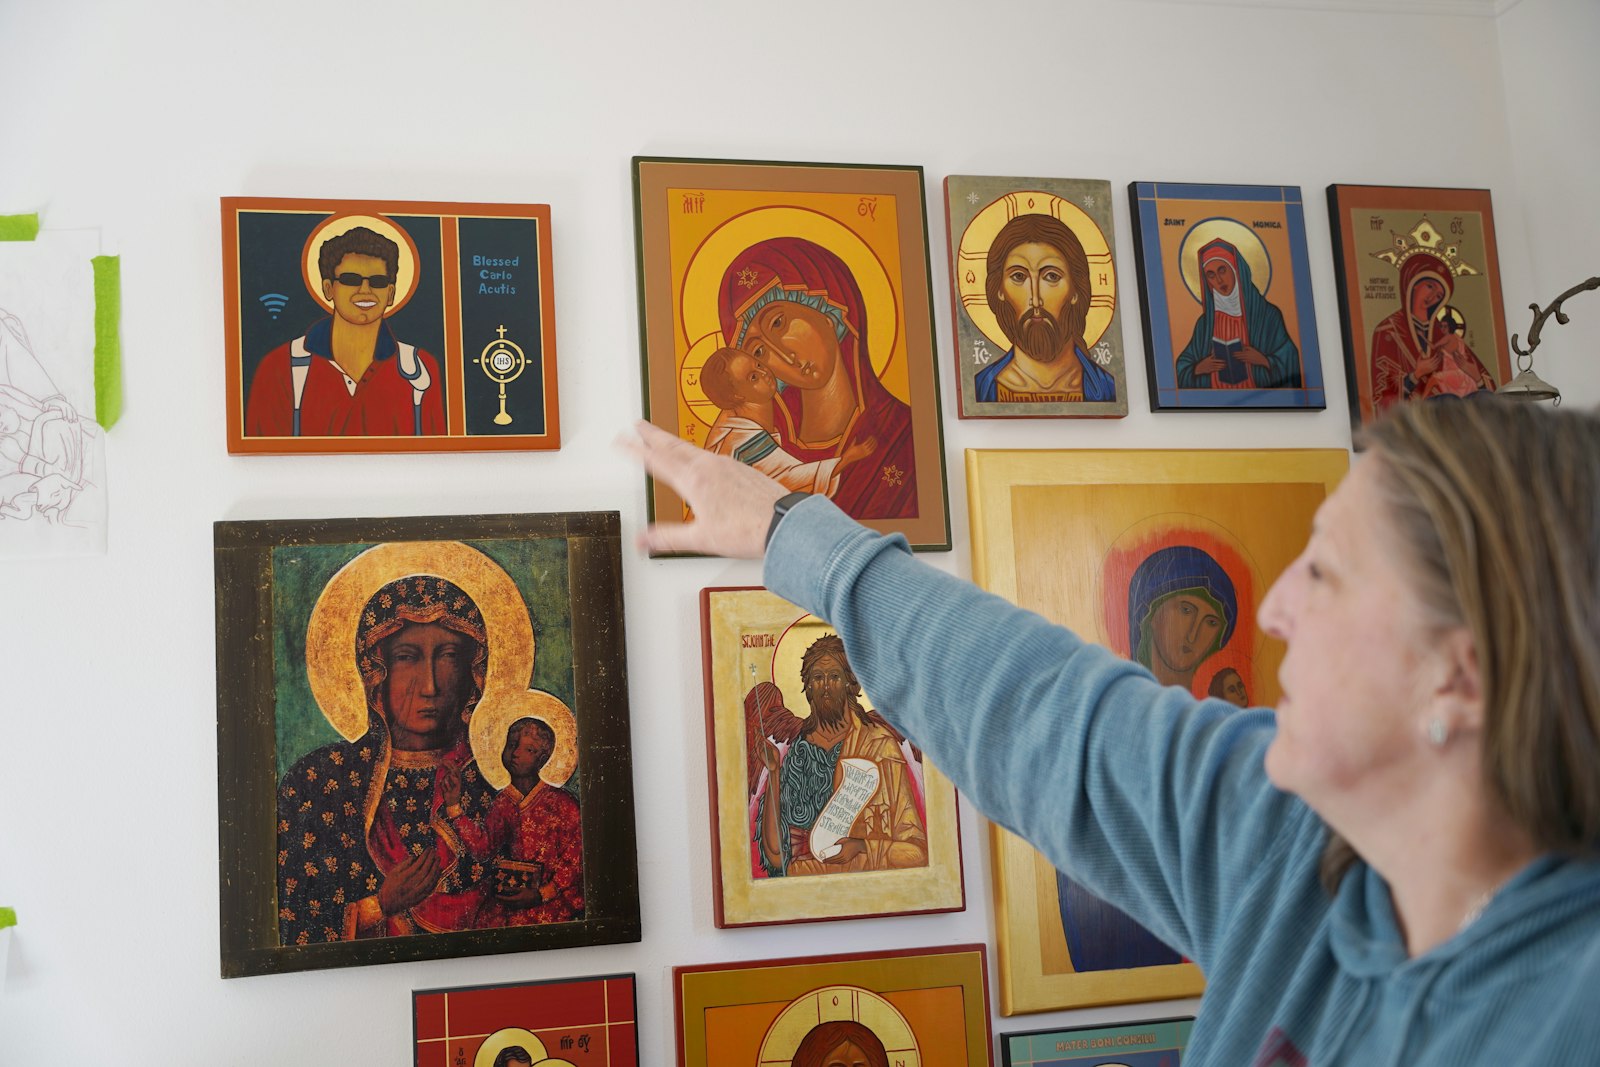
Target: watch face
x=781, y=508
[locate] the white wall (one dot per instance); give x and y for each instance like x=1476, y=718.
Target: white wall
x=1552, y=92
x=138, y=117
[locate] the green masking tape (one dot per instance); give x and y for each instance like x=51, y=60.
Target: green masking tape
x=8, y=917
x=19, y=227
x=107, y=340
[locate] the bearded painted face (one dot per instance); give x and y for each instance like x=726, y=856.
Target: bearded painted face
x=1037, y=291
x=825, y=690
x=841, y=1043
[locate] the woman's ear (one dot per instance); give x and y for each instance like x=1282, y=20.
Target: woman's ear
x=1460, y=688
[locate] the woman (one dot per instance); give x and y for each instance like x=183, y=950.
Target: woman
x=1401, y=865
x=366, y=848
x=796, y=308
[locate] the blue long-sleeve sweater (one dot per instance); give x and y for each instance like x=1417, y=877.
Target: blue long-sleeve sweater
x=1161, y=804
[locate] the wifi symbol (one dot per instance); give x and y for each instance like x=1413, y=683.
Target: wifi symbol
x=274, y=303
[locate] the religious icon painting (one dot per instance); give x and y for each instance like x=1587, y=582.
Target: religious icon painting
x=1419, y=295
x=388, y=326
x=1226, y=285
x=820, y=809
x=1034, y=294
x=910, y=1008
x=571, y=1022
x=786, y=321
x=1157, y=1043
x=1164, y=558
x=422, y=730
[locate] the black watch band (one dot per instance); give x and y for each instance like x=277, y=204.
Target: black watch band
x=780, y=509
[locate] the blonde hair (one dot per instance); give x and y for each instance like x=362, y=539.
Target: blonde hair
x=1497, y=505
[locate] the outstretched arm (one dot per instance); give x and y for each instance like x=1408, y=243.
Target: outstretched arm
x=1149, y=798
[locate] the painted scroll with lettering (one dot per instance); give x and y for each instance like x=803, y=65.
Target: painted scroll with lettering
x=787, y=325
x=1226, y=285
x=367, y=326
x=1034, y=292
x=811, y=782
x=859, y=781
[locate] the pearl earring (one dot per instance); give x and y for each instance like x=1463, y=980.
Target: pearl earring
x=1438, y=732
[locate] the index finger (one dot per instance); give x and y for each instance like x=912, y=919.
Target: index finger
x=664, y=455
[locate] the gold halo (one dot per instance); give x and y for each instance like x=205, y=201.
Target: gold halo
x=405, y=275
x=488, y=734
x=702, y=283
x=972, y=259
x=1235, y=233
x=833, y=1003
x=505, y=1038
x=792, y=645
x=331, y=630
x=694, y=361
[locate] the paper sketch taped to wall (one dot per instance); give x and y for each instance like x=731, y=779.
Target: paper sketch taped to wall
x=52, y=483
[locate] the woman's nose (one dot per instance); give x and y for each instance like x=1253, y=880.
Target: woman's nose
x=1273, y=616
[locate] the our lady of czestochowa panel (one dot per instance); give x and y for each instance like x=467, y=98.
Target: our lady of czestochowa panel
x=1035, y=294
x=387, y=326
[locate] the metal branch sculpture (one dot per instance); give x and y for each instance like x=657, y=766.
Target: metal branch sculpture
x=1554, y=309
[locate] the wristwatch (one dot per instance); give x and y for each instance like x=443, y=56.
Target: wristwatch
x=780, y=509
